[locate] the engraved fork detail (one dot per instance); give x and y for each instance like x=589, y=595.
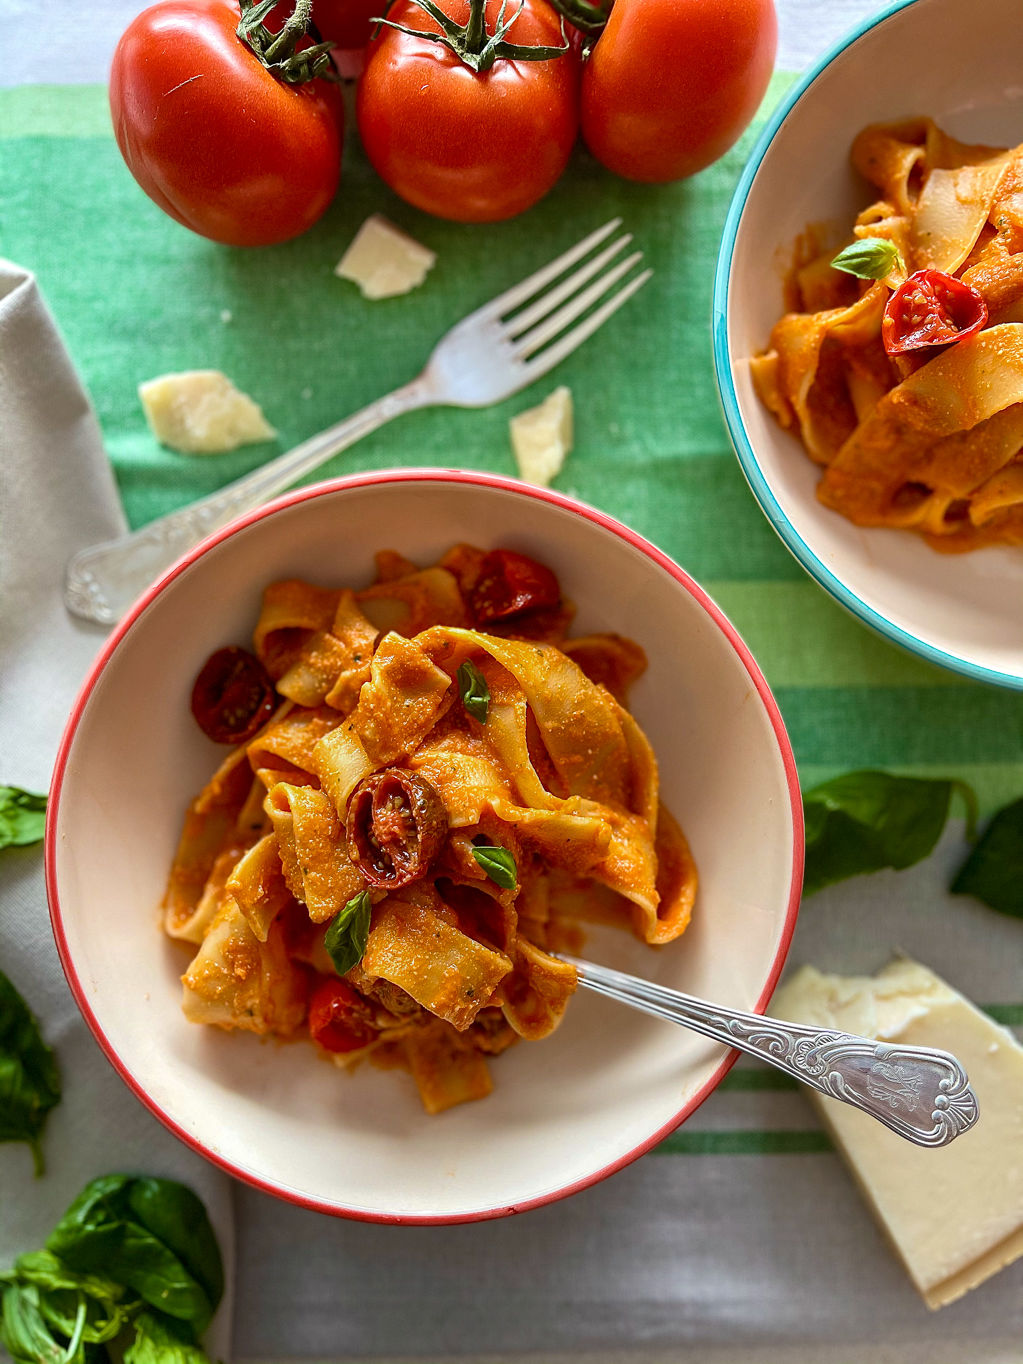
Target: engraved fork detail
x=491, y=354
x=919, y=1092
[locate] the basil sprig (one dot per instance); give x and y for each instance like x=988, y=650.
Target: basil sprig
x=868, y=258
x=474, y=691
x=498, y=863
x=993, y=872
x=130, y=1252
x=348, y=934
x=29, y=1077
x=22, y=817
x=863, y=821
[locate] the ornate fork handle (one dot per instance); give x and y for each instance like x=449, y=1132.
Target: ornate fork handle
x=103, y=580
x=919, y=1092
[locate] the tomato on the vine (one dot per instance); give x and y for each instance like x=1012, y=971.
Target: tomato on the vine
x=215, y=137
x=347, y=23
x=471, y=145
x=670, y=84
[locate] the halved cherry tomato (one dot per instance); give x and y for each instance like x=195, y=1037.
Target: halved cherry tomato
x=509, y=584
x=339, y=1018
x=396, y=826
x=670, y=84
x=212, y=136
x=233, y=696
x=931, y=309
x=472, y=146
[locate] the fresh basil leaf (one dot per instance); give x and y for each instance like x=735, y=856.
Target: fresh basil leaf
x=108, y=1231
x=863, y=821
x=89, y=1305
x=22, y=817
x=348, y=933
x=993, y=872
x=868, y=258
x=29, y=1077
x=474, y=690
x=162, y=1340
x=24, y=1333
x=498, y=863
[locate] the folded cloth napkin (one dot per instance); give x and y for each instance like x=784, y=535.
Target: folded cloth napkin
x=57, y=495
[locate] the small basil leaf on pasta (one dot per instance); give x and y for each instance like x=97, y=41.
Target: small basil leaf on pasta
x=993, y=872
x=498, y=864
x=22, y=817
x=152, y=1236
x=868, y=258
x=29, y=1077
x=474, y=690
x=864, y=821
x=348, y=933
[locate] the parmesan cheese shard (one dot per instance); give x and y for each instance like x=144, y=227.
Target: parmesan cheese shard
x=954, y=1214
x=541, y=437
x=200, y=412
x=384, y=261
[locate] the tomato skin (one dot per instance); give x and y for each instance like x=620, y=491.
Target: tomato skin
x=510, y=584
x=931, y=308
x=233, y=696
x=671, y=84
x=347, y=23
x=212, y=137
x=339, y=1018
x=471, y=147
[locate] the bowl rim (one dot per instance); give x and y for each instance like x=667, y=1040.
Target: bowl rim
x=750, y=465
x=326, y=488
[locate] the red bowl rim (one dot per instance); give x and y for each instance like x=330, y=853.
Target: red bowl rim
x=503, y=484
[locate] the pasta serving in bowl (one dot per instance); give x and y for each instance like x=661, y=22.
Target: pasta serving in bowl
x=875, y=407
x=389, y=860
x=388, y=854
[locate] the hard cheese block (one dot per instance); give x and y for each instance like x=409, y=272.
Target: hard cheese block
x=954, y=1214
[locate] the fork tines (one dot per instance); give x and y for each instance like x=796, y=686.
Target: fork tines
x=546, y=317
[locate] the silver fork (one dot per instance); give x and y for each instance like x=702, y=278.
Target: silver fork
x=489, y=355
x=921, y=1093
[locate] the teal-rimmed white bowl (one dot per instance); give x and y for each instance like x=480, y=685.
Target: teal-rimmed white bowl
x=962, y=64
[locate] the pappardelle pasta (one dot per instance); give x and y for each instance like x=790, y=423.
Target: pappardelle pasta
x=902, y=369
x=430, y=788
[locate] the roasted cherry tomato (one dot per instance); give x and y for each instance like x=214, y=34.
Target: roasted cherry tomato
x=670, y=84
x=212, y=136
x=931, y=309
x=339, y=1018
x=396, y=827
x=509, y=584
x=474, y=146
x=233, y=696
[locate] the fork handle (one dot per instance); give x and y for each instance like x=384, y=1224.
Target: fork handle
x=919, y=1092
x=102, y=581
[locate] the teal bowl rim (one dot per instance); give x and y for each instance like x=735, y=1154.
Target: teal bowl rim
x=759, y=485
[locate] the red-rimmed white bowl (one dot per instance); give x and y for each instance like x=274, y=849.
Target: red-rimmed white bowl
x=565, y=1112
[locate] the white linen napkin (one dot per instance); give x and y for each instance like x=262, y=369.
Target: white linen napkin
x=57, y=495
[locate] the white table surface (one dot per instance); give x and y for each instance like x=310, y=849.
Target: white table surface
x=309, y=1287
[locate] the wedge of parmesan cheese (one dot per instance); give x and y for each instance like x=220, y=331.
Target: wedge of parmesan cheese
x=541, y=437
x=384, y=261
x=954, y=1214
x=200, y=412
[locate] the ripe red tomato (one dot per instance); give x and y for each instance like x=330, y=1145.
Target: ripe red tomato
x=347, y=23
x=472, y=146
x=931, y=309
x=671, y=84
x=339, y=1019
x=212, y=137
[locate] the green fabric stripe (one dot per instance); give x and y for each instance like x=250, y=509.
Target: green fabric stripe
x=65, y=111
x=1009, y=1015
x=741, y=1143
x=883, y=726
x=746, y=1079
x=996, y=783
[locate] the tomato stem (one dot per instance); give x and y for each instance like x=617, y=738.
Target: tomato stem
x=280, y=52
x=472, y=44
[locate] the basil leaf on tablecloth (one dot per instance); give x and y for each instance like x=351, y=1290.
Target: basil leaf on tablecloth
x=993, y=872
x=22, y=817
x=346, y=938
x=24, y=1333
x=162, y=1340
x=153, y=1236
x=863, y=821
x=474, y=691
x=29, y=1077
x=89, y=1305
